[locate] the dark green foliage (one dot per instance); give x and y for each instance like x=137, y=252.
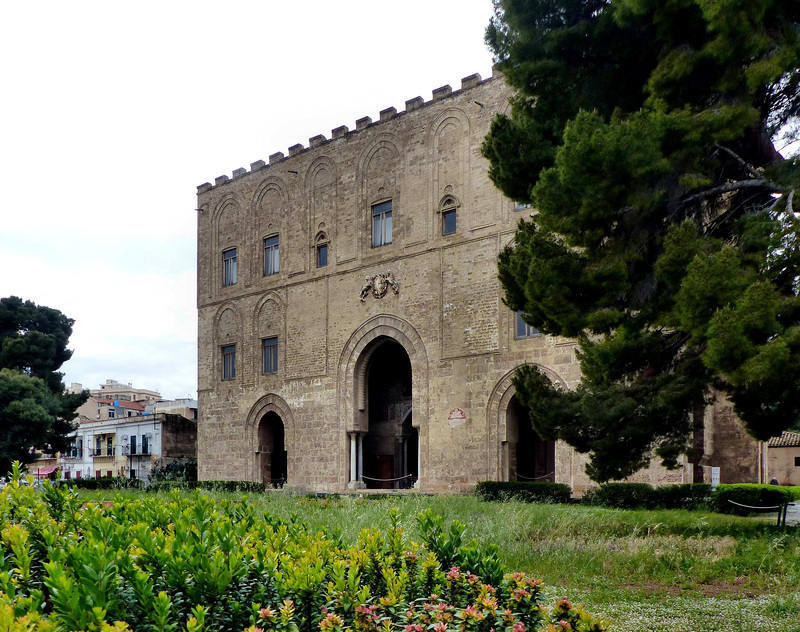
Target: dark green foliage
x=686, y=496
x=35, y=412
x=217, y=486
x=644, y=496
x=178, y=470
x=751, y=495
x=529, y=492
x=622, y=496
x=665, y=239
x=103, y=482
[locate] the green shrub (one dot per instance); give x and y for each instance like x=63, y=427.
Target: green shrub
x=748, y=494
x=200, y=564
x=248, y=487
x=529, y=492
x=179, y=470
x=685, y=496
x=103, y=482
x=622, y=496
x=794, y=490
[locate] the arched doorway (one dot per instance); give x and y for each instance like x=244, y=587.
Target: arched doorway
x=272, y=450
x=530, y=458
x=390, y=445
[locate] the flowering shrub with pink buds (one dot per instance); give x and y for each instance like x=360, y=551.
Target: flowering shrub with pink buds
x=199, y=565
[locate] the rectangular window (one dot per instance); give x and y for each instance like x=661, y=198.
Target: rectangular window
x=98, y=446
x=109, y=446
x=523, y=329
x=382, y=224
x=133, y=445
x=448, y=222
x=322, y=255
x=229, y=267
x=270, y=355
x=797, y=461
x=111, y=413
x=271, y=263
x=67, y=474
x=78, y=474
x=229, y=362
x=145, y=445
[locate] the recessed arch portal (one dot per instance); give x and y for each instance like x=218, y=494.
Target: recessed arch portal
x=369, y=348
x=270, y=430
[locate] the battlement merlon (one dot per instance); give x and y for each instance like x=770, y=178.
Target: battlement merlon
x=342, y=131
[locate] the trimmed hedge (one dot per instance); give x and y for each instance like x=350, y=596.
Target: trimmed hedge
x=684, y=496
x=214, y=486
x=622, y=496
x=529, y=492
x=104, y=482
x=747, y=494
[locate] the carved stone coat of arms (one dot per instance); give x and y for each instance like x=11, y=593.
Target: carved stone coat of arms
x=378, y=285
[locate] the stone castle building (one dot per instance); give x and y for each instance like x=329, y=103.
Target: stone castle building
x=351, y=327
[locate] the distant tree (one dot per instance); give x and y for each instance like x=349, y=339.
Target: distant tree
x=35, y=412
x=665, y=239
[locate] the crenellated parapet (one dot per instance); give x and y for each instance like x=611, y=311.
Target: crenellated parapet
x=337, y=133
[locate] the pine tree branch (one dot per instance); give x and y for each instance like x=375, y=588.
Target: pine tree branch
x=769, y=187
x=750, y=169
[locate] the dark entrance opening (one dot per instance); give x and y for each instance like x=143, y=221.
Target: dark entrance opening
x=272, y=450
x=390, y=447
x=530, y=458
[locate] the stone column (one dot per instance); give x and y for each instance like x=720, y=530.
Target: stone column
x=360, y=461
x=353, y=470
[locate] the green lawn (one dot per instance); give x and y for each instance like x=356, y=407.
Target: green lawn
x=657, y=570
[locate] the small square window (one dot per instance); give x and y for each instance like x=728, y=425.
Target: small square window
x=229, y=267
x=322, y=255
x=797, y=461
x=523, y=329
x=229, y=362
x=449, y=221
x=271, y=259
x=382, y=224
x=270, y=355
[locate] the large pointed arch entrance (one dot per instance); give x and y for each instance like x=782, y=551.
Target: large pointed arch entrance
x=270, y=430
x=529, y=458
x=383, y=399
x=271, y=453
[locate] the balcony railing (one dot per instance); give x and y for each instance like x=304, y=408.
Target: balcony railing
x=103, y=454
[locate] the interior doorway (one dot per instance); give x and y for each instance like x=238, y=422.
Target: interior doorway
x=530, y=458
x=272, y=450
x=391, y=444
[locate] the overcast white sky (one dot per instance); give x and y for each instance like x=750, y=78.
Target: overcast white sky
x=113, y=112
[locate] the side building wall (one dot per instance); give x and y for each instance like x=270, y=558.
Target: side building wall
x=447, y=312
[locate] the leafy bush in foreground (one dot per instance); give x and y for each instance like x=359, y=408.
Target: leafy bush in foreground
x=622, y=496
x=197, y=565
x=529, y=492
x=103, y=482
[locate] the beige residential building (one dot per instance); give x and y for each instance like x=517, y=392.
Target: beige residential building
x=351, y=325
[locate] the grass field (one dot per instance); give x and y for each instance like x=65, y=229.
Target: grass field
x=643, y=570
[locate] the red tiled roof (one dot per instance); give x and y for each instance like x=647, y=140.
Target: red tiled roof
x=786, y=440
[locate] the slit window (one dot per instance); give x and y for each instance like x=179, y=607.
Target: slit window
x=322, y=255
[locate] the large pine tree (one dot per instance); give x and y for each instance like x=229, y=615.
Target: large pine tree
x=647, y=134
x=35, y=411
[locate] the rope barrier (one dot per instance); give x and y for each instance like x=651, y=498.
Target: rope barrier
x=388, y=480
x=535, y=478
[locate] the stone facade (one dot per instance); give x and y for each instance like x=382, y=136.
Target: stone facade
x=342, y=406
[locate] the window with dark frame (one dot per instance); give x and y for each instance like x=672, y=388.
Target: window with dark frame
x=448, y=221
x=322, y=255
x=133, y=444
x=145, y=445
x=271, y=258
x=229, y=362
x=229, y=267
x=523, y=329
x=269, y=347
x=382, y=224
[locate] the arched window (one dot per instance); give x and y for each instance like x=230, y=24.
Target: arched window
x=448, y=208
